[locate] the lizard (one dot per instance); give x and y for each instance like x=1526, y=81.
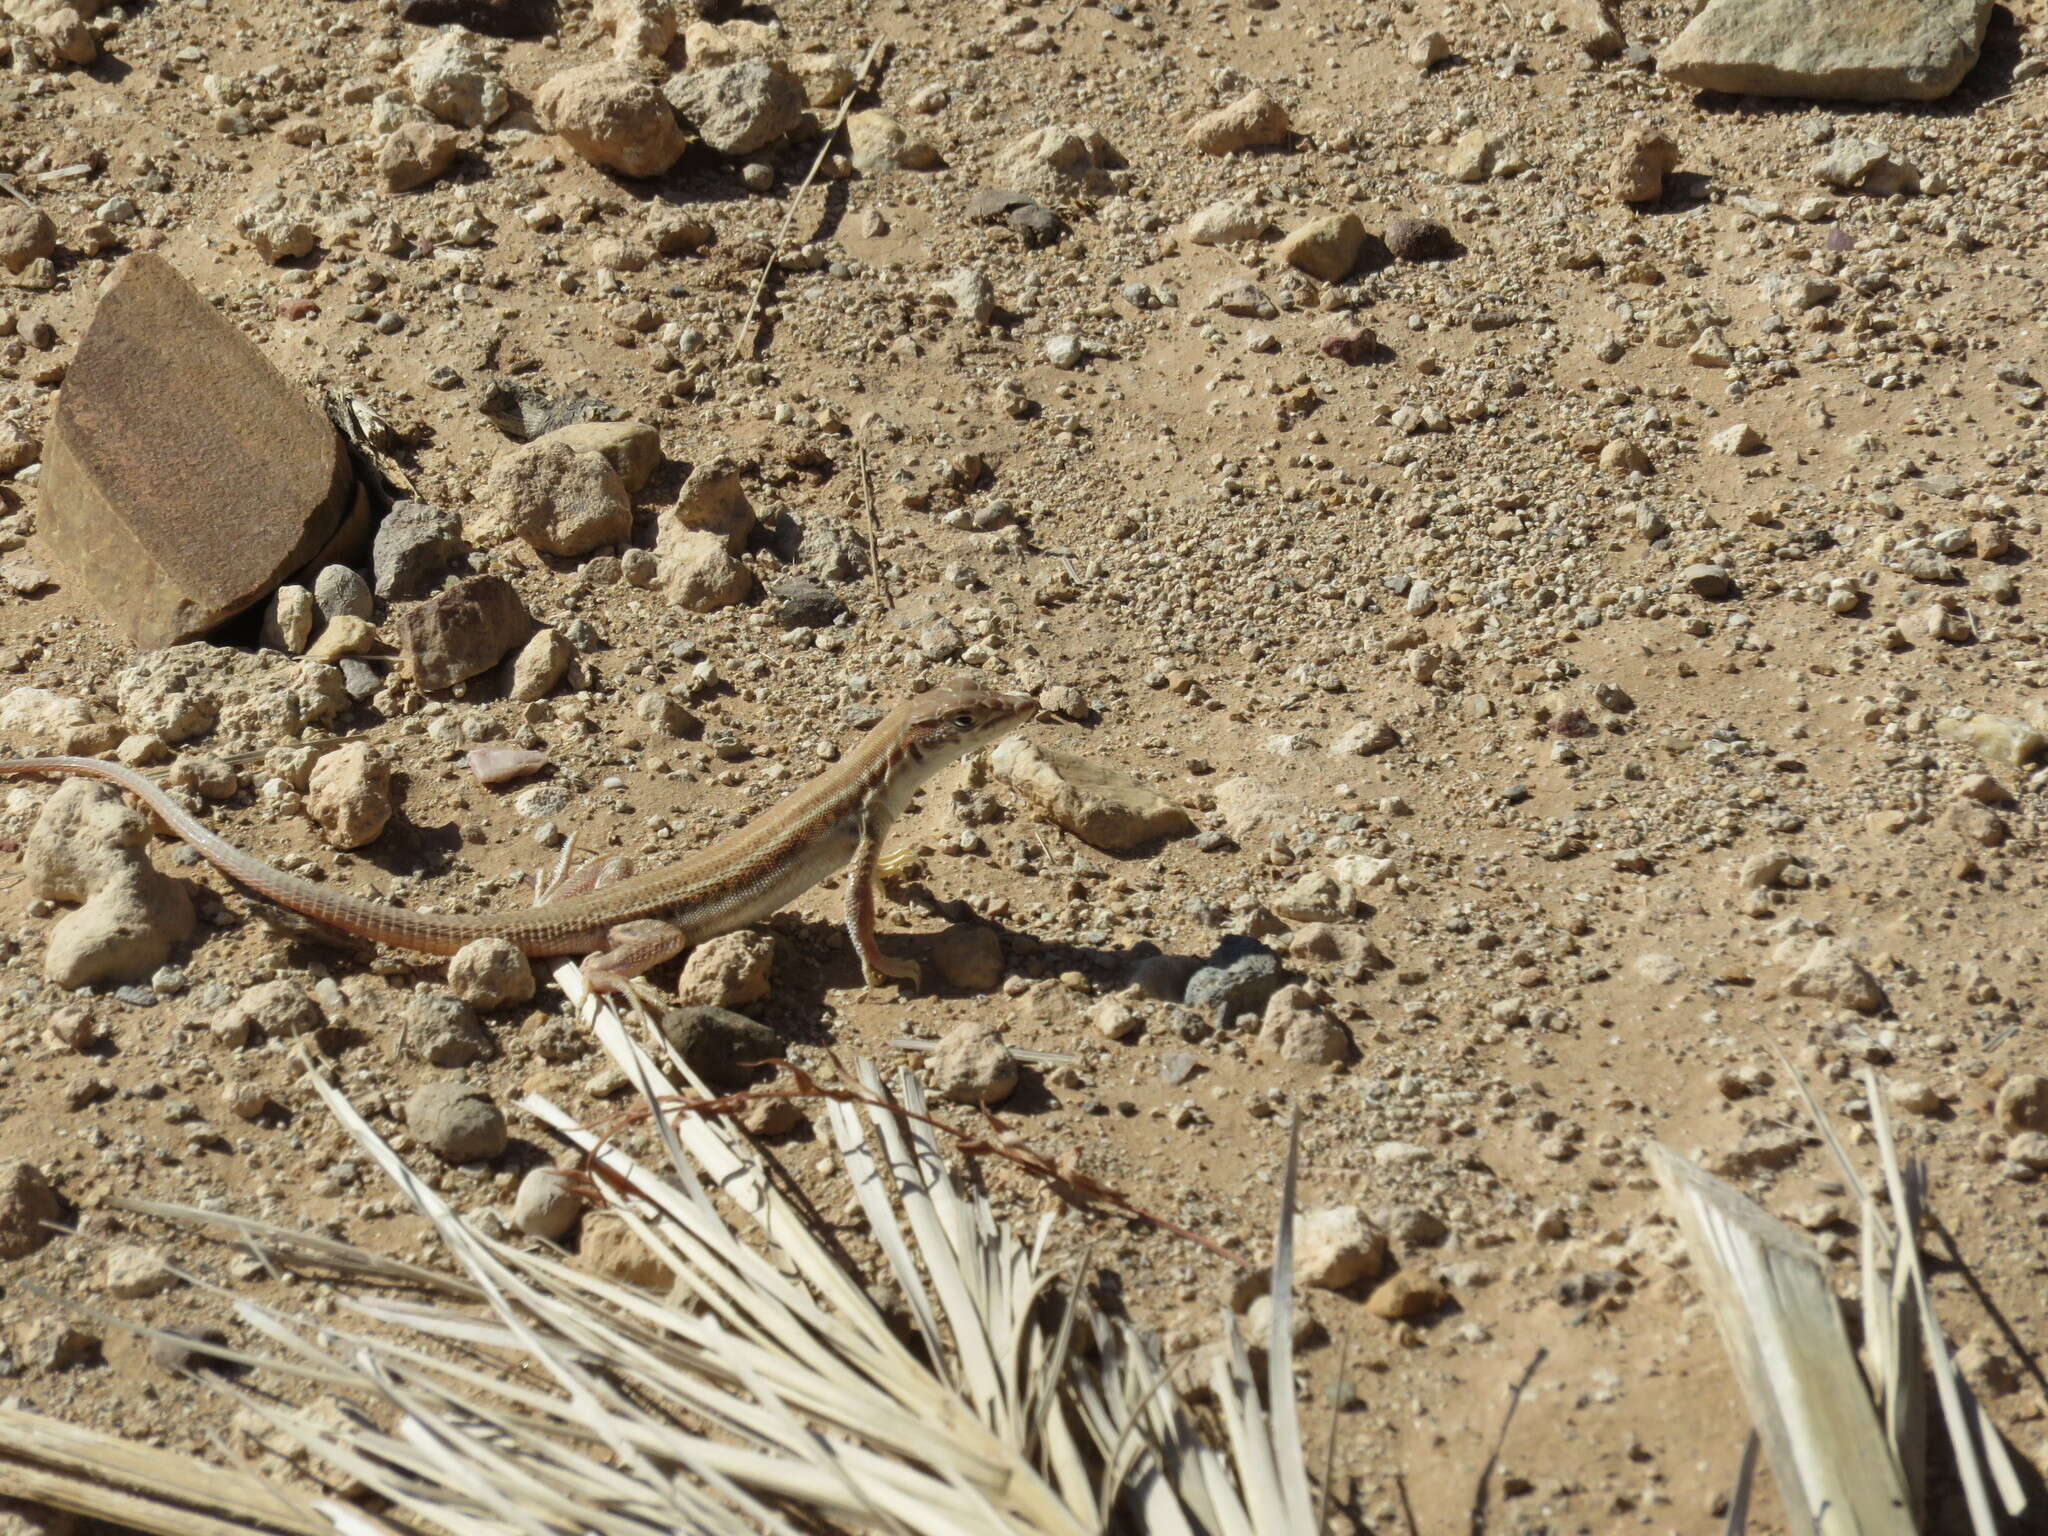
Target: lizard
x=623, y=923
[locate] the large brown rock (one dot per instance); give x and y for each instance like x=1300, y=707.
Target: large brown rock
x=461, y=631
x=183, y=477
x=612, y=116
x=1836, y=50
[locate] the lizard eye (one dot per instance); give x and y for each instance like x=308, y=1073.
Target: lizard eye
x=964, y=722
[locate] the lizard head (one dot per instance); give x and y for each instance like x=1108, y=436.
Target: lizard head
x=949, y=723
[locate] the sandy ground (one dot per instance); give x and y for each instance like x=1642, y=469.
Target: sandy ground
x=1235, y=546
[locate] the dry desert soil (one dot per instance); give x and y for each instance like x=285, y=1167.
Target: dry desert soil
x=1580, y=771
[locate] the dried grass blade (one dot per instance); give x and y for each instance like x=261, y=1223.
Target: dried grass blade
x=928, y=1197
x=1904, y=1384
x=870, y=1191
x=1974, y=1449
x=1251, y=1444
x=135, y=1511
x=1290, y=1455
x=334, y=1252
x=739, y=1176
x=74, y=1468
x=348, y=1520
x=1771, y=1296
x=501, y=1286
x=719, y=1249
x=1825, y=1126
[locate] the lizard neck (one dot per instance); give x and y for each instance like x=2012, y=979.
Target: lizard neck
x=903, y=769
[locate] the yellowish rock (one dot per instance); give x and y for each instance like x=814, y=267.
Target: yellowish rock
x=1325, y=248
x=345, y=636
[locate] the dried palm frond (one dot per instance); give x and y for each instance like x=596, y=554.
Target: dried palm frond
x=1848, y=1448
x=768, y=1391
x=1770, y=1291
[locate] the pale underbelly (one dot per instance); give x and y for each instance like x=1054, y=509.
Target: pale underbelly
x=824, y=859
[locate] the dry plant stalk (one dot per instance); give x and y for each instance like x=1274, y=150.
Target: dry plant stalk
x=1848, y=1448
x=513, y=1394
x=743, y=343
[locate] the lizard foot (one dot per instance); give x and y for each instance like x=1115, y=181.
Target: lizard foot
x=896, y=864
x=631, y=950
x=879, y=970
x=648, y=1001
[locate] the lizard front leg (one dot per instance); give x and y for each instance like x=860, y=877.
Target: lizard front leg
x=630, y=949
x=876, y=967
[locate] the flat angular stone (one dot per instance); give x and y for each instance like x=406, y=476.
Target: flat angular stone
x=184, y=477
x=1833, y=50
x=1103, y=806
x=1325, y=248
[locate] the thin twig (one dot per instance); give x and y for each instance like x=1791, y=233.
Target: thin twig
x=1029, y=1058
x=1330, y=1445
x=1477, y=1521
x=1407, y=1509
x=1745, y=1479
x=874, y=55
x=1063, y=1175
x=867, y=496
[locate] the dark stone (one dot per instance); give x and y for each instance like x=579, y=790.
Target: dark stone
x=718, y=1044
x=359, y=680
x=1017, y=211
x=184, y=477
x=1420, y=240
x=824, y=547
x=178, y=1350
x=415, y=545
x=494, y=18
x=1240, y=974
x=460, y=632
x=1584, y=1289
x=1037, y=225
x=60, y=1346
x=524, y=411
x=1164, y=977
x=801, y=603
x=458, y=1121
x=1351, y=346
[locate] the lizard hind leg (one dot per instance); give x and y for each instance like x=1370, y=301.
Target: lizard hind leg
x=631, y=949
x=593, y=875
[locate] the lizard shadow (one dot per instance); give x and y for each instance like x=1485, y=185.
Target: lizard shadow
x=412, y=848
x=820, y=962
